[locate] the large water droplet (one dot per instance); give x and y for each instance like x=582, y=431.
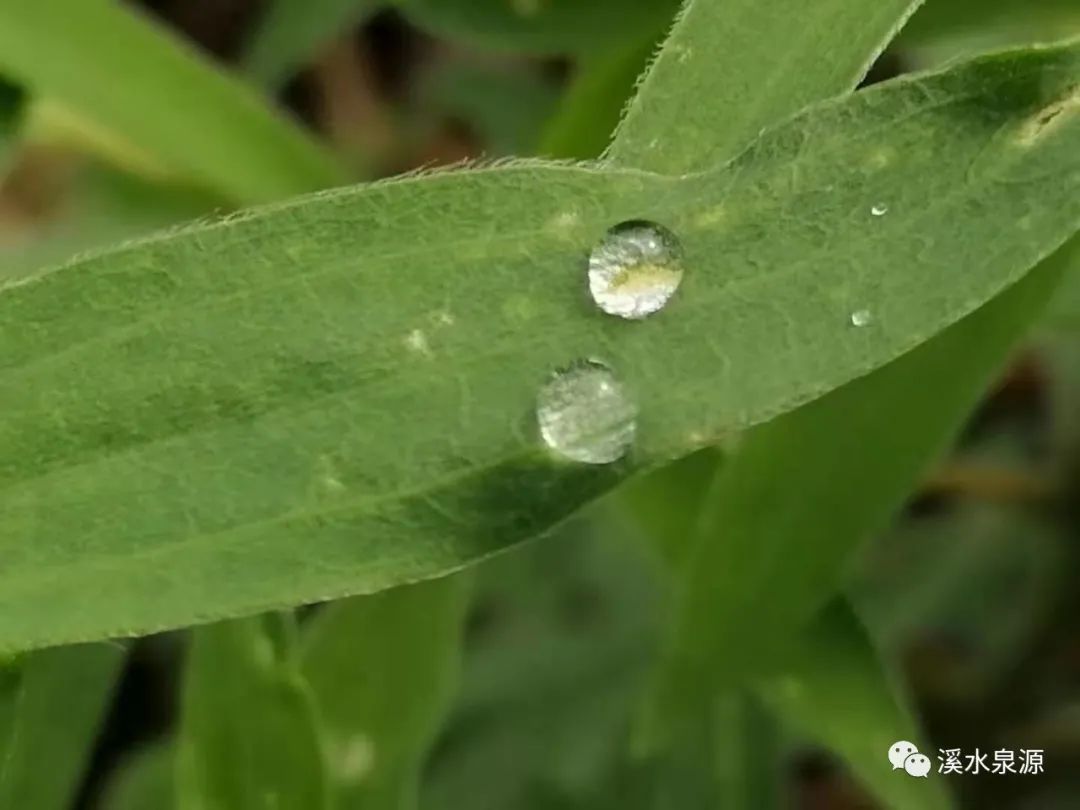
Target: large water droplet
x=585, y=414
x=635, y=269
x=879, y=210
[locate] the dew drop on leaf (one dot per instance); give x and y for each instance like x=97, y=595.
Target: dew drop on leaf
x=635, y=269
x=879, y=210
x=861, y=317
x=585, y=413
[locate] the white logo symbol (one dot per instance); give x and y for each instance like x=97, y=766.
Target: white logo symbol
x=917, y=765
x=904, y=755
x=901, y=750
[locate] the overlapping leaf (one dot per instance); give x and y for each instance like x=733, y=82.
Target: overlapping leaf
x=249, y=739
x=51, y=705
x=382, y=669
x=151, y=92
x=727, y=53
x=291, y=31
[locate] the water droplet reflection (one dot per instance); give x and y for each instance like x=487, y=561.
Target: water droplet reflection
x=635, y=269
x=585, y=413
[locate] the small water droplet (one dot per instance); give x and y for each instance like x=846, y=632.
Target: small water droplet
x=585, y=413
x=861, y=317
x=635, y=269
x=880, y=210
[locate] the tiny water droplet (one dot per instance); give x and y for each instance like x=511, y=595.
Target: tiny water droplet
x=635, y=269
x=585, y=413
x=861, y=317
x=880, y=210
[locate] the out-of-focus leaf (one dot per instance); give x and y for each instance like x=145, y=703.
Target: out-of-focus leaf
x=947, y=29
x=51, y=704
x=541, y=26
x=834, y=676
x=202, y=444
x=976, y=582
x=11, y=675
x=249, y=737
x=12, y=101
x=722, y=75
x=146, y=781
x=597, y=97
x=382, y=669
x=833, y=691
x=291, y=31
x=558, y=650
x=1060, y=352
x=125, y=74
x=101, y=206
x=1064, y=313
x=504, y=107
x=666, y=504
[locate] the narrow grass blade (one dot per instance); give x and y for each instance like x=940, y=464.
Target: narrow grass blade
x=51, y=705
x=291, y=31
x=382, y=669
x=145, y=781
x=833, y=691
x=120, y=71
x=249, y=738
x=723, y=75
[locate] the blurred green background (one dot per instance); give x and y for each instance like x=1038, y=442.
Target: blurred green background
x=973, y=593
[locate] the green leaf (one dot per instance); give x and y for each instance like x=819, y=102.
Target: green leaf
x=833, y=692
x=722, y=76
x=540, y=26
x=591, y=108
x=298, y=403
x=764, y=552
x=947, y=29
x=12, y=101
x=51, y=704
x=382, y=669
x=666, y=504
x=249, y=738
x=560, y=638
x=145, y=781
x=1064, y=314
x=831, y=684
x=149, y=88
x=747, y=756
x=986, y=574
x=503, y=107
x=291, y=31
